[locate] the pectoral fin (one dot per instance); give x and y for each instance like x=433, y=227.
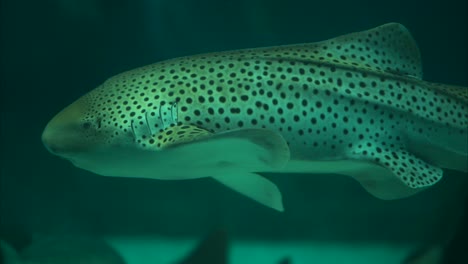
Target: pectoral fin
x=244, y=150
x=255, y=187
x=232, y=157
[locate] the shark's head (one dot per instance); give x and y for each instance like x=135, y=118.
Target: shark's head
x=108, y=130
x=73, y=130
x=89, y=133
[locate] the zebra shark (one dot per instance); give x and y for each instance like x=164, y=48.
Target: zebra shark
x=354, y=105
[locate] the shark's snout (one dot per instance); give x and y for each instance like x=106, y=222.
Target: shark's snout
x=54, y=136
x=65, y=133
x=49, y=140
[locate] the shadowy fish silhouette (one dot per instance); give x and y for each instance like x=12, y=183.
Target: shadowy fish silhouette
x=69, y=249
x=62, y=249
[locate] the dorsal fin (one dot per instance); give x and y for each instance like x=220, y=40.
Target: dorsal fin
x=389, y=48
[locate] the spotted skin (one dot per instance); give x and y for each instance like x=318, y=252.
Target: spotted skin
x=357, y=97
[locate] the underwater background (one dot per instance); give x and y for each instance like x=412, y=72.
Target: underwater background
x=54, y=51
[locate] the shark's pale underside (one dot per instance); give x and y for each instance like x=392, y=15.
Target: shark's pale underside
x=354, y=105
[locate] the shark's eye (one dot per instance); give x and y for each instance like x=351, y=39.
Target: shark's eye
x=86, y=125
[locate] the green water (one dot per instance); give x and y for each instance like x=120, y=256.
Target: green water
x=54, y=51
